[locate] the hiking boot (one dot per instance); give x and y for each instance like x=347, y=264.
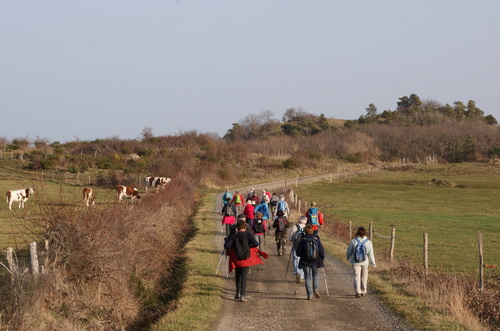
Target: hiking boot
x=237, y=296
x=297, y=278
x=358, y=295
x=316, y=294
x=310, y=297
x=243, y=298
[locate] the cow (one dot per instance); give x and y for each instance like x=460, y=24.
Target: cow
x=20, y=196
x=127, y=192
x=156, y=182
x=88, y=196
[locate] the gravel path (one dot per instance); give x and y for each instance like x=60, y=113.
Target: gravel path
x=278, y=304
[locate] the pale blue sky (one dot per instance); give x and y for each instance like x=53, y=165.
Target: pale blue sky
x=96, y=69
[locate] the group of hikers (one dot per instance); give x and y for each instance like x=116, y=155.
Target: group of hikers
x=247, y=223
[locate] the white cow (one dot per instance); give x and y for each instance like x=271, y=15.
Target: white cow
x=156, y=182
x=88, y=196
x=20, y=196
x=127, y=192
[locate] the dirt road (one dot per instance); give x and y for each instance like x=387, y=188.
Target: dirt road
x=278, y=304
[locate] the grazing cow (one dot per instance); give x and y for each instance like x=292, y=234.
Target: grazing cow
x=127, y=192
x=156, y=182
x=88, y=196
x=20, y=196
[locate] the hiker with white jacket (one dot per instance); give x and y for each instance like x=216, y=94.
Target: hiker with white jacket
x=360, y=254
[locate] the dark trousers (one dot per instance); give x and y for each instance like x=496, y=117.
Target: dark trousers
x=241, y=280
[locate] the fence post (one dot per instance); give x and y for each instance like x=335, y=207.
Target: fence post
x=393, y=239
x=350, y=230
x=34, y=259
x=297, y=181
x=300, y=204
x=481, y=270
x=370, y=231
x=426, y=254
x=11, y=263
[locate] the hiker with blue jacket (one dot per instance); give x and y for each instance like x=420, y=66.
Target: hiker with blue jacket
x=314, y=217
x=312, y=255
x=360, y=254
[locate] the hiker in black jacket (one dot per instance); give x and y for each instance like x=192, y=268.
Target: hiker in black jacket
x=312, y=255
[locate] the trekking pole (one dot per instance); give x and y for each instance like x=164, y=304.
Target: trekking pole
x=326, y=285
x=288, y=265
x=220, y=261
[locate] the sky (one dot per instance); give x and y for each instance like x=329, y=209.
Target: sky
x=94, y=69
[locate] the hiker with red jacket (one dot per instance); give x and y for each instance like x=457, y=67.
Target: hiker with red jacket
x=314, y=217
x=228, y=215
x=249, y=212
x=238, y=201
x=243, y=253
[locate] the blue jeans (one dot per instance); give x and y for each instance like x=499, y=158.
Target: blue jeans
x=296, y=259
x=311, y=275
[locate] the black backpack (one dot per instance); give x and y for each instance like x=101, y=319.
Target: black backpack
x=281, y=224
x=258, y=226
x=297, y=236
x=241, y=246
x=229, y=211
x=310, y=249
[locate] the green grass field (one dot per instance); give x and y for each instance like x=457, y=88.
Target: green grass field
x=16, y=226
x=452, y=216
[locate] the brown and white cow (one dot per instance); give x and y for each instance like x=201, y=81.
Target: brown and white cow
x=88, y=196
x=127, y=192
x=156, y=182
x=20, y=196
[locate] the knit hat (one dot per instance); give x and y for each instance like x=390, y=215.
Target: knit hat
x=242, y=217
x=303, y=220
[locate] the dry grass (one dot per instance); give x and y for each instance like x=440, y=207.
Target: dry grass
x=109, y=268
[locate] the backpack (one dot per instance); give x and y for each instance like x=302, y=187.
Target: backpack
x=281, y=205
x=241, y=246
x=312, y=216
x=311, y=249
x=237, y=199
x=229, y=211
x=360, y=251
x=297, y=236
x=274, y=201
x=281, y=224
x=259, y=226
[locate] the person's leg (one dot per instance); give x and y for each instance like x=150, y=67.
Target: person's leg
x=309, y=282
x=243, y=286
x=277, y=237
x=315, y=274
x=357, y=279
x=364, y=279
x=237, y=277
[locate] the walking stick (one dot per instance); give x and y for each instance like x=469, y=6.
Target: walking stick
x=326, y=285
x=220, y=261
x=288, y=264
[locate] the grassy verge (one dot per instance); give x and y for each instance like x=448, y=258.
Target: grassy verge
x=448, y=298
x=201, y=300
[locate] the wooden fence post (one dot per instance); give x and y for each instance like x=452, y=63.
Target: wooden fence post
x=297, y=181
x=370, y=231
x=11, y=263
x=34, y=259
x=300, y=205
x=426, y=254
x=393, y=239
x=481, y=270
x=350, y=230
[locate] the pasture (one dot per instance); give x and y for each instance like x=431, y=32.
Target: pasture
x=18, y=226
x=406, y=199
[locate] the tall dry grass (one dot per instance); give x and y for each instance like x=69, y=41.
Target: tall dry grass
x=109, y=268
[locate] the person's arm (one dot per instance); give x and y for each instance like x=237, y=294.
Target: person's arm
x=349, y=251
x=320, y=216
x=251, y=240
x=371, y=254
x=228, y=243
x=321, y=250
